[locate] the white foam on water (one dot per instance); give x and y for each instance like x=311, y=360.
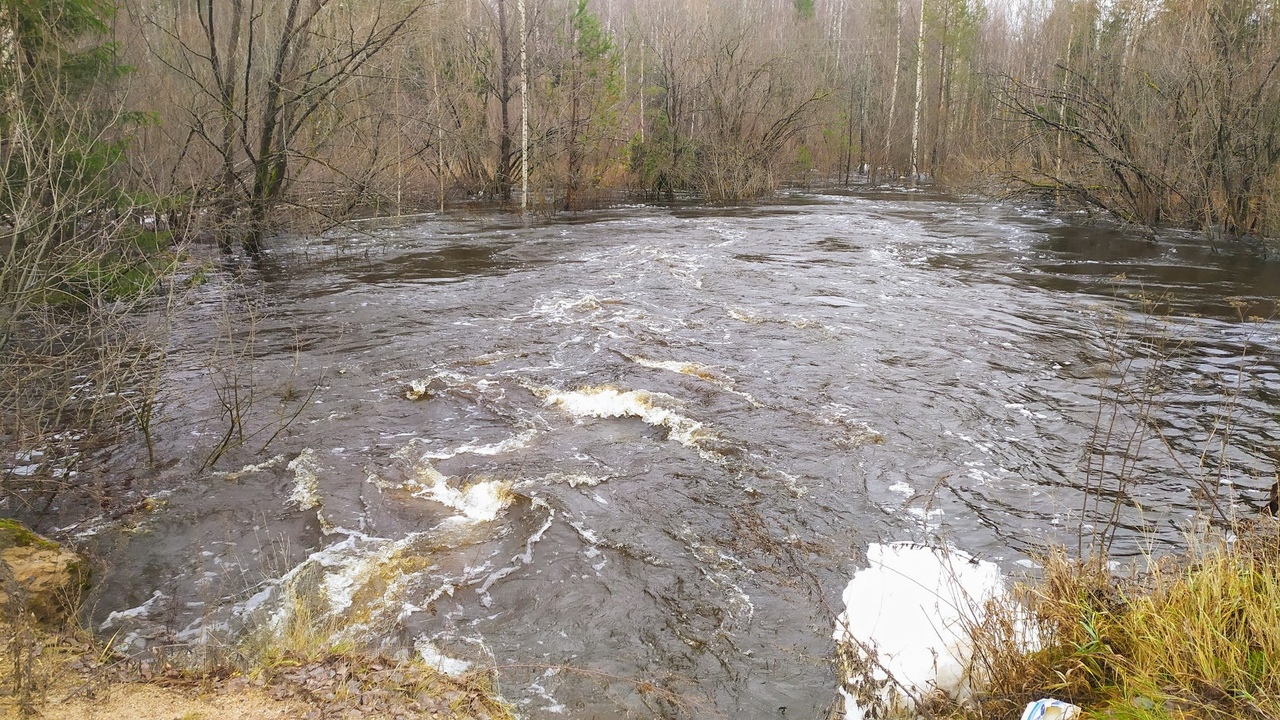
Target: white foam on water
x=247, y=469
x=417, y=389
x=859, y=431
x=1022, y=409
x=89, y=528
x=587, y=534
x=432, y=656
x=306, y=483
x=905, y=615
x=518, y=561
x=706, y=373
x=142, y=611
x=606, y=401
x=538, y=688
x=698, y=370
x=478, y=502
x=682, y=266
x=347, y=571
x=529, y=542
x=519, y=441
x=793, y=484
x=566, y=311
x=359, y=583
x=573, y=480
x=929, y=518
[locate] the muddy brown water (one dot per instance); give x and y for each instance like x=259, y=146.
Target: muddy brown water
x=654, y=442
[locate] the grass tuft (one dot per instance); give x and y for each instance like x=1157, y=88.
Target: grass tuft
x=1193, y=638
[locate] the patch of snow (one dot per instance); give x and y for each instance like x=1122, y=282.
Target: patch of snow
x=905, y=617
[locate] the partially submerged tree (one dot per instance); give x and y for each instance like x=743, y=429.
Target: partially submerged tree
x=590, y=78
x=73, y=257
x=264, y=74
x=1171, y=114
x=60, y=141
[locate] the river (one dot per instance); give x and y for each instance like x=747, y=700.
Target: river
x=650, y=445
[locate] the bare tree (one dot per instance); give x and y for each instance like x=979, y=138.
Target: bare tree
x=262, y=73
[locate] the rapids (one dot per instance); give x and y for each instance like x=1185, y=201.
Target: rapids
x=631, y=457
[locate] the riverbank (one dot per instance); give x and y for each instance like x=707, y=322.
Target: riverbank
x=841, y=371
x=1195, y=636
x=69, y=675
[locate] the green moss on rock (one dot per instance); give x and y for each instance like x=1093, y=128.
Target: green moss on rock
x=15, y=534
x=38, y=576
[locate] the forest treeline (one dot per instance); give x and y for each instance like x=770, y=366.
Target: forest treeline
x=246, y=114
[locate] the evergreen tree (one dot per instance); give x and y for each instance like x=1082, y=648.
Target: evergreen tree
x=53, y=67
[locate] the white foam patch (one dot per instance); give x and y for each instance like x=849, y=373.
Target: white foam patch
x=706, y=373
x=692, y=369
x=143, y=611
x=566, y=312
x=248, y=469
x=905, y=616
x=87, y=528
x=306, y=483
x=929, y=518
x=417, y=389
x=361, y=577
x=478, y=502
x=573, y=480
x=518, y=561
x=681, y=266
x=511, y=444
x=609, y=402
x=432, y=656
x=440, y=381
x=537, y=687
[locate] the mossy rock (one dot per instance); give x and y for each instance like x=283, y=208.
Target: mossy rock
x=15, y=534
x=38, y=576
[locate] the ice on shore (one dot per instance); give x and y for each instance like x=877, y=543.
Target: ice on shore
x=903, y=628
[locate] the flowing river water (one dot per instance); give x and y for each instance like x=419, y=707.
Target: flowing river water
x=631, y=457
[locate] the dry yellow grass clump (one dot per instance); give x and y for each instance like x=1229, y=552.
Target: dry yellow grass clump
x=1197, y=637
x=69, y=674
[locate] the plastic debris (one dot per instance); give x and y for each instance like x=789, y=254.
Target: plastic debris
x=1049, y=709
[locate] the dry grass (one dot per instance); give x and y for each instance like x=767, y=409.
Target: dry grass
x=297, y=666
x=70, y=674
x=1194, y=638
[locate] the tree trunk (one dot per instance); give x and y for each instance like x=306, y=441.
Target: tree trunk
x=939, y=118
x=504, y=101
x=893, y=88
x=272, y=159
x=524, y=109
x=915, y=120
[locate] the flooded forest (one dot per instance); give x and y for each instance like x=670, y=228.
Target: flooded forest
x=618, y=358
